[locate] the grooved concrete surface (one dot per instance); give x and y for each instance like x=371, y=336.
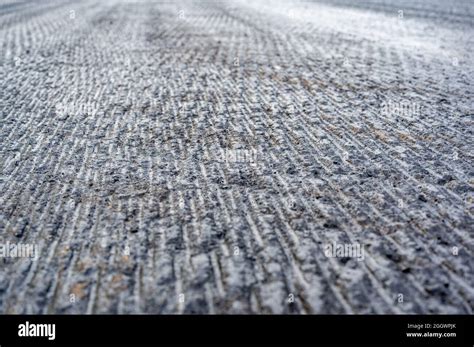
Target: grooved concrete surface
x=200, y=156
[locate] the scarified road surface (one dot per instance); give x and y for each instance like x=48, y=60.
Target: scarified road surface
x=237, y=156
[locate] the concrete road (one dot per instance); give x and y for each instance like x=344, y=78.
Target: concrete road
x=236, y=156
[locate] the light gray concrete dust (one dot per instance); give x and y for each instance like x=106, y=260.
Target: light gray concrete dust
x=236, y=156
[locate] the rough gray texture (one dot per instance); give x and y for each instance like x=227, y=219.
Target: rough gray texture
x=120, y=123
